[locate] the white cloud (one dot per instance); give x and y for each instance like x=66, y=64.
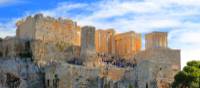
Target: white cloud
x=188, y=55
x=5, y=1
x=188, y=40
x=62, y=9
x=8, y=28
x=118, y=8
x=10, y=2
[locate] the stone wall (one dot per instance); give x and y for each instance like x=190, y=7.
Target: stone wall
x=53, y=39
x=55, y=30
x=14, y=47
x=157, y=67
x=26, y=28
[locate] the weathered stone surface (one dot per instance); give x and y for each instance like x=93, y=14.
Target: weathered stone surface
x=17, y=73
x=159, y=55
x=88, y=51
x=13, y=47
x=73, y=76
x=52, y=38
x=157, y=67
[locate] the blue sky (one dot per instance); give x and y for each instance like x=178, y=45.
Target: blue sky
x=180, y=18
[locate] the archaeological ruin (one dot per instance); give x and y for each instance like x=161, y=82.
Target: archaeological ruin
x=52, y=52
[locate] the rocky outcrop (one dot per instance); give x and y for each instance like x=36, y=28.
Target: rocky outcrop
x=13, y=47
x=18, y=73
x=73, y=76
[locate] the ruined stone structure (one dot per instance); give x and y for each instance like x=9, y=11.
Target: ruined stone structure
x=103, y=40
x=18, y=73
x=50, y=37
x=13, y=47
x=156, y=40
x=59, y=54
x=88, y=50
x=124, y=45
x=127, y=44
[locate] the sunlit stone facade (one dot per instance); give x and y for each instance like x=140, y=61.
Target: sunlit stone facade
x=126, y=44
x=103, y=40
x=156, y=40
x=51, y=39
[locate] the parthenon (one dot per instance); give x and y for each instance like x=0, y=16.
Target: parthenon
x=121, y=44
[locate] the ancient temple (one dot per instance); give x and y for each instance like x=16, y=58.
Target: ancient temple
x=103, y=41
x=156, y=40
x=124, y=45
x=127, y=44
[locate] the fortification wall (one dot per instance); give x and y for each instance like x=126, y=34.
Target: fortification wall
x=26, y=28
x=157, y=67
x=53, y=39
x=14, y=47
x=55, y=30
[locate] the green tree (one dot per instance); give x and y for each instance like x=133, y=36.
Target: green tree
x=130, y=86
x=189, y=77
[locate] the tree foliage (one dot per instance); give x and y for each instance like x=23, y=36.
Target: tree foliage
x=189, y=77
x=130, y=86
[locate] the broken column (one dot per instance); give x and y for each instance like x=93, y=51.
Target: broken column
x=88, y=50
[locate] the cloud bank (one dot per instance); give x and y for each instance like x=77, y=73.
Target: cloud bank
x=10, y=2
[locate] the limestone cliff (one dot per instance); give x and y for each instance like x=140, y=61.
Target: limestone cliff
x=18, y=73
